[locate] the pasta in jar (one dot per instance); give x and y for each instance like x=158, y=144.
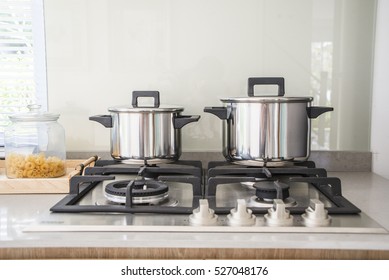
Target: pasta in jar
x=34, y=166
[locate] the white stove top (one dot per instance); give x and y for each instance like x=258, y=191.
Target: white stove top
x=225, y=206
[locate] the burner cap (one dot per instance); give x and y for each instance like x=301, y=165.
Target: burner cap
x=271, y=189
x=140, y=189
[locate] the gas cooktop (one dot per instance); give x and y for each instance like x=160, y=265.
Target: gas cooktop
x=113, y=196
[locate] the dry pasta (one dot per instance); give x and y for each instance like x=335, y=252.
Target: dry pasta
x=34, y=166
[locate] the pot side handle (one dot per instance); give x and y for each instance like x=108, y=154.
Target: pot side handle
x=279, y=81
x=313, y=112
x=181, y=121
x=105, y=120
x=221, y=112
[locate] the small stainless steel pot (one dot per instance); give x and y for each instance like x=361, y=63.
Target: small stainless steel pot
x=141, y=134
x=267, y=130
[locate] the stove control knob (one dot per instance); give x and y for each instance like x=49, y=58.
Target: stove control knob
x=241, y=215
x=278, y=215
x=203, y=215
x=316, y=214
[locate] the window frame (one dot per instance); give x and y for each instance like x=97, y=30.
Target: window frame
x=39, y=57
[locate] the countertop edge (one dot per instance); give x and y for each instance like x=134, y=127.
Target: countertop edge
x=189, y=253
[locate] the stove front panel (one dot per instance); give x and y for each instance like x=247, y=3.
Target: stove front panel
x=110, y=222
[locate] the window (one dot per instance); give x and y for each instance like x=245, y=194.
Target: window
x=22, y=58
x=321, y=89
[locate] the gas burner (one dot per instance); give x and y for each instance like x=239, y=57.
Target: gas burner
x=143, y=191
x=269, y=189
x=256, y=163
x=166, y=203
x=148, y=162
x=259, y=202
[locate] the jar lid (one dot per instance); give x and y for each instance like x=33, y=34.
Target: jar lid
x=34, y=114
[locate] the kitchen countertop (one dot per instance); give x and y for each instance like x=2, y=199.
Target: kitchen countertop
x=366, y=190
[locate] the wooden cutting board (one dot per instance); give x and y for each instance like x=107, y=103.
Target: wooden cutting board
x=37, y=185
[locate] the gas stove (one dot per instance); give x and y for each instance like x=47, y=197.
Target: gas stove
x=225, y=197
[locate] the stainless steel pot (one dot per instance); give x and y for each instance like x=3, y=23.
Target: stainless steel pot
x=141, y=134
x=268, y=130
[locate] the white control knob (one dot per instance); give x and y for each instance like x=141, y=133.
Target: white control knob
x=203, y=215
x=278, y=215
x=316, y=214
x=241, y=215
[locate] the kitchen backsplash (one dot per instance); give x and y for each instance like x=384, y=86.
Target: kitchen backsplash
x=196, y=52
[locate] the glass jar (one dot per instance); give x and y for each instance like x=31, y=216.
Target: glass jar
x=35, y=145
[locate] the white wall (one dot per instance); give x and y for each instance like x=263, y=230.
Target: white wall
x=380, y=106
x=196, y=52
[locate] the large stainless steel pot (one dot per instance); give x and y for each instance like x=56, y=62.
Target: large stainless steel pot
x=141, y=134
x=267, y=130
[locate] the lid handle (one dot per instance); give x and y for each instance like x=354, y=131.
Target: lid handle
x=153, y=94
x=266, y=81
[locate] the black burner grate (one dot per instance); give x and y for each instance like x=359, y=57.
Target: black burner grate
x=189, y=172
x=202, y=186
x=221, y=173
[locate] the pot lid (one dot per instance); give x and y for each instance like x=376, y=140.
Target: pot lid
x=266, y=99
x=280, y=98
x=132, y=109
x=135, y=107
x=34, y=114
